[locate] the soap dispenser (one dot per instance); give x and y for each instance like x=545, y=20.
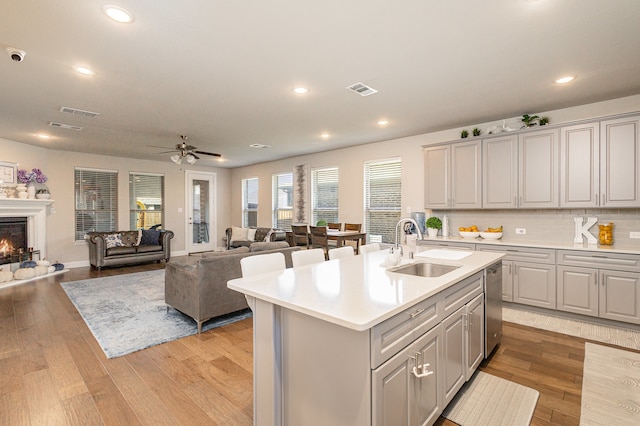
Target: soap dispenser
x=445, y=226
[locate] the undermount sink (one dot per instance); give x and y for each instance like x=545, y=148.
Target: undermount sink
x=425, y=269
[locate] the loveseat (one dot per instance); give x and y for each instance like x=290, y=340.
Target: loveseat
x=127, y=247
x=197, y=287
x=244, y=237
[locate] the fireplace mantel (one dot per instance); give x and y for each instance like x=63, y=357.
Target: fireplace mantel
x=36, y=213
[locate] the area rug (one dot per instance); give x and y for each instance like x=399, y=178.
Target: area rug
x=127, y=313
x=610, y=386
x=490, y=400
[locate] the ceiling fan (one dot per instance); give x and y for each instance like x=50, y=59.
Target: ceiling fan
x=184, y=152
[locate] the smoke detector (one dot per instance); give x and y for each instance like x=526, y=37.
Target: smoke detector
x=16, y=55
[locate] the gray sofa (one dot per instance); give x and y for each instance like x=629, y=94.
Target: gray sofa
x=117, y=248
x=197, y=287
x=260, y=235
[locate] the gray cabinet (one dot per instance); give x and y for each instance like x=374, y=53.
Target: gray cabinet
x=620, y=162
x=447, y=244
x=605, y=285
x=521, y=170
x=453, y=176
x=579, y=165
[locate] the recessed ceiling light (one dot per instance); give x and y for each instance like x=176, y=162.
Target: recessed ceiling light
x=383, y=123
x=325, y=135
x=259, y=145
x=566, y=79
x=84, y=70
x=301, y=90
x=118, y=14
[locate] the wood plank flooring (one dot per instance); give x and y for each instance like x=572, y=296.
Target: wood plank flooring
x=53, y=372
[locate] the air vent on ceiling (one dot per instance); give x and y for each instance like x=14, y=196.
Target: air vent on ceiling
x=362, y=89
x=80, y=112
x=65, y=126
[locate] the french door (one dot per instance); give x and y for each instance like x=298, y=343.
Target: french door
x=201, y=217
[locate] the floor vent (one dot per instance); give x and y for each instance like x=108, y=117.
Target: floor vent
x=362, y=89
x=79, y=112
x=65, y=126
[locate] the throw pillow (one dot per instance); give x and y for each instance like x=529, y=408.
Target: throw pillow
x=150, y=237
x=251, y=234
x=113, y=240
x=238, y=234
x=267, y=237
x=139, y=237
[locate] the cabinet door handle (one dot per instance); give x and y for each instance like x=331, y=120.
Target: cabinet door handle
x=421, y=371
x=597, y=198
x=603, y=198
x=416, y=313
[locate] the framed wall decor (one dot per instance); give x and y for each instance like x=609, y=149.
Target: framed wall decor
x=8, y=172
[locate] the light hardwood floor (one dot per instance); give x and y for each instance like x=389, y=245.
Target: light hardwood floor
x=53, y=372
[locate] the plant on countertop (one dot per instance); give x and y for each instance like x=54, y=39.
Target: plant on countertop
x=529, y=120
x=35, y=175
x=434, y=223
x=476, y=132
x=543, y=121
x=464, y=134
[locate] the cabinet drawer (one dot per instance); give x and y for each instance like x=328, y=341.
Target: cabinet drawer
x=523, y=254
x=390, y=336
x=461, y=293
x=616, y=261
x=448, y=244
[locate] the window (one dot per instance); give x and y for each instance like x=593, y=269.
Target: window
x=146, y=200
x=382, y=183
x=96, y=199
x=250, y=202
x=324, y=194
x=282, y=201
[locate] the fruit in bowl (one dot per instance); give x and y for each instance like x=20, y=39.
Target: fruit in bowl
x=469, y=232
x=492, y=233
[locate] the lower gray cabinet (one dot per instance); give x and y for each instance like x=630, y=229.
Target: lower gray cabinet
x=619, y=296
x=406, y=388
x=534, y=284
x=577, y=290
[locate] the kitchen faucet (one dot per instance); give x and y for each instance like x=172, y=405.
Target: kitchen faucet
x=400, y=222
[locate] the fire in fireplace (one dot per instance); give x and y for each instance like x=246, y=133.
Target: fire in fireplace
x=13, y=239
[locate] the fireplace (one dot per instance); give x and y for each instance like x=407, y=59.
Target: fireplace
x=13, y=239
x=34, y=212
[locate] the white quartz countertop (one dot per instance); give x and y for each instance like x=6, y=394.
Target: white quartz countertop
x=629, y=248
x=356, y=292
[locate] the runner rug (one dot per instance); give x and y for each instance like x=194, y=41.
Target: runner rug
x=127, y=313
x=489, y=400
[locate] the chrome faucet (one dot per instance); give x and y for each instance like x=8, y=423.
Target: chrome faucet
x=400, y=222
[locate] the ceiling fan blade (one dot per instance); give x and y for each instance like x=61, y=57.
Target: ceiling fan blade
x=166, y=152
x=158, y=146
x=213, y=154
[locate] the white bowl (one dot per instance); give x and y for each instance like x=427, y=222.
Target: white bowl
x=469, y=234
x=491, y=235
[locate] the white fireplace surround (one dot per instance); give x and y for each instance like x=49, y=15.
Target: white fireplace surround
x=36, y=213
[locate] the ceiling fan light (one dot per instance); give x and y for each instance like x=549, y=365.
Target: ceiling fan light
x=191, y=159
x=176, y=159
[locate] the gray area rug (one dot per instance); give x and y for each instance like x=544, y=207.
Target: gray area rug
x=489, y=400
x=127, y=313
x=610, y=387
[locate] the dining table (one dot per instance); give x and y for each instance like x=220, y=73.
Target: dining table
x=341, y=236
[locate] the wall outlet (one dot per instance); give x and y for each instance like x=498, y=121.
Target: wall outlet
x=521, y=231
x=634, y=234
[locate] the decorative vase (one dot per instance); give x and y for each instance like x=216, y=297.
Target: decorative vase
x=43, y=196
x=31, y=192
x=432, y=232
x=22, y=194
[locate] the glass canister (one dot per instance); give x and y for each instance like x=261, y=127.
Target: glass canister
x=606, y=234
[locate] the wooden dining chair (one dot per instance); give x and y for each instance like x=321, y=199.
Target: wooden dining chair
x=353, y=227
x=319, y=239
x=300, y=235
x=336, y=226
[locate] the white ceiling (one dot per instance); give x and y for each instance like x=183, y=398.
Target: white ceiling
x=222, y=72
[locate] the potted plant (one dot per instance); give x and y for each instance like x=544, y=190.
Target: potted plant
x=529, y=120
x=543, y=121
x=464, y=134
x=434, y=224
x=476, y=132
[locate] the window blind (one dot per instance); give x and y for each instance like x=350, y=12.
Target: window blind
x=383, y=190
x=96, y=201
x=250, y=202
x=146, y=200
x=324, y=194
x=282, y=200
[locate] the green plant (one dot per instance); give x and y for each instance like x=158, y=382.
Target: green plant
x=476, y=132
x=434, y=222
x=543, y=121
x=321, y=222
x=529, y=120
x=464, y=134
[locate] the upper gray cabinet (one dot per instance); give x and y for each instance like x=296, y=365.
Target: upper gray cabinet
x=521, y=170
x=453, y=176
x=600, y=164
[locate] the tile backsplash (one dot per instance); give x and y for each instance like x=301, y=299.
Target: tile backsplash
x=545, y=225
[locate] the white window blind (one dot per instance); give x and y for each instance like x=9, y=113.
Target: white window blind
x=324, y=194
x=96, y=201
x=282, y=200
x=382, y=182
x=250, y=202
x=146, y=200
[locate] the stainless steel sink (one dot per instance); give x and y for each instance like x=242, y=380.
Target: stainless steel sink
x=425, y=269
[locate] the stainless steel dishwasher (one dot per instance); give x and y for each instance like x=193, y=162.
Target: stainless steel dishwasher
x=492, y=307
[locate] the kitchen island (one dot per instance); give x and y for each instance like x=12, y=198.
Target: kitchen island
x=350, y=342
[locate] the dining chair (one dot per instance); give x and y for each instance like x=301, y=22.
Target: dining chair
x=368, y=248
x=353, y=227
x=300, y=235
x=261, y=264
x=341, y=252
x=307, y=257
x=336, y=226
x=319, y=239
